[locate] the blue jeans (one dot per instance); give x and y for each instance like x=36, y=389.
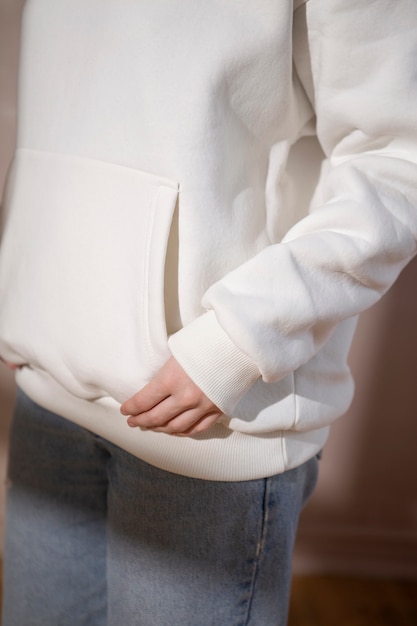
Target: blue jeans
x=94, y=536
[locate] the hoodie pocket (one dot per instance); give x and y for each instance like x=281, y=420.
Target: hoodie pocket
x=82, y=272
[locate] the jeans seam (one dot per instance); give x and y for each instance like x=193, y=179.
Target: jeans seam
x=259, y=549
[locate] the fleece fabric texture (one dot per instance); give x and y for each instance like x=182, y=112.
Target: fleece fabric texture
x=228, y=183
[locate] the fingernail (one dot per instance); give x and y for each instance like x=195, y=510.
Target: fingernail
x=131, y=423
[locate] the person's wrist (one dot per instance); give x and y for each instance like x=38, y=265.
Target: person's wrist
x=208, y=355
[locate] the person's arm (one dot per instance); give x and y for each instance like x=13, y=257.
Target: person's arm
x=273, y=313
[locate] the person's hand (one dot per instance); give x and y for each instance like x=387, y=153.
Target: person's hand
x=171, y=403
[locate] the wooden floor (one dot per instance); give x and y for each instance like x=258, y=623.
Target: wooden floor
x=336, y=601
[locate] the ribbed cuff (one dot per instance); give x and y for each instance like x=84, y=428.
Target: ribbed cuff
x=221, y=370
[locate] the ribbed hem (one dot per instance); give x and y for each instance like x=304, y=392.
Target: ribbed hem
x=218, y=454
x=213, y=361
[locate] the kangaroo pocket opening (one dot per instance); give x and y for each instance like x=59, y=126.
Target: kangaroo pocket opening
x=82, y=272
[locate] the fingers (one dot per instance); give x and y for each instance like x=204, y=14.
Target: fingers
x=171, y=403
x=172, y=416
x=170, y=378
x=188, y=423
x=200, y=426
x=158, y=415
x=148, y=397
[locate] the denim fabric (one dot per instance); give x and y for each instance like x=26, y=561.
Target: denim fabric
x=95, y=536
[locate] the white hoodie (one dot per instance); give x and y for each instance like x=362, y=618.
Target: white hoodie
x=159, y=203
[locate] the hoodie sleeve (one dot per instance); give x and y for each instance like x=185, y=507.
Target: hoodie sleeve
x=357, y=61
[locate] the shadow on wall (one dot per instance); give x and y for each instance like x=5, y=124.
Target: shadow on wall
x=363, y=518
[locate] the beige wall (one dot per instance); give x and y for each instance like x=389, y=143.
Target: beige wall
x=363, y=517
